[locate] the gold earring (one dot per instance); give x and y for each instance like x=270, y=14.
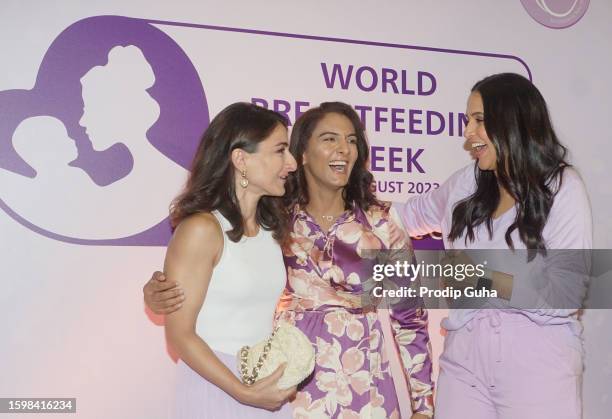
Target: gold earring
x=244, y=182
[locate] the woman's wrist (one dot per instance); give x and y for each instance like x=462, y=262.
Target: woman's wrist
x=502, y=283
x=241, y=392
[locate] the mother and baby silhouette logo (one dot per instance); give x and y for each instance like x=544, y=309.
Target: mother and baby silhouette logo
x=97, y=149
x=94, y=153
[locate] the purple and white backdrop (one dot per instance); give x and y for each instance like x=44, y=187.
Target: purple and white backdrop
x=102, y=106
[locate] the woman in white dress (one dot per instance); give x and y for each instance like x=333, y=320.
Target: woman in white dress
x=224, y=253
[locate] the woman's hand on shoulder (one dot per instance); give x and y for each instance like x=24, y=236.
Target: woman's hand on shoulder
x=161, y=295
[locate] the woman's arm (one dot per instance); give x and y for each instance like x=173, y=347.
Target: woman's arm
x=555, y=284
x=192, y=254
x=558, y=284
x=409, y=323
x=423, y=214
x=409, y=329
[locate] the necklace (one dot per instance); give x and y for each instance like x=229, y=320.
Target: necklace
x=325, y=218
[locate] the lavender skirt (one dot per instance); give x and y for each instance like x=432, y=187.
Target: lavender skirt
x=197, y=398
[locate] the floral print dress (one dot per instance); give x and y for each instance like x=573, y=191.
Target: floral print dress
x=323, y=298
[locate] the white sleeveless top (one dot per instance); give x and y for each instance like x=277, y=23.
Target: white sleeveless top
x=243, y=292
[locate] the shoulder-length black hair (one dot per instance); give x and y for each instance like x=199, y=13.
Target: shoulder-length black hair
x=358, y=191
x=211, y=184
x=530, y=159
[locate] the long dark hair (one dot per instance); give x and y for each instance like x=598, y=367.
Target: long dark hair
x=358, y=191
x=530, y=159
x=211, y=184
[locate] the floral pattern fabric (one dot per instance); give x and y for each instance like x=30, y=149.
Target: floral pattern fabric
x=326, y=272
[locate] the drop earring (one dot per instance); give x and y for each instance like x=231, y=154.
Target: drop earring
x=244, y=182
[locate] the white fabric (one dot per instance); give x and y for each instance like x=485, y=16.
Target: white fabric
x=243, y=292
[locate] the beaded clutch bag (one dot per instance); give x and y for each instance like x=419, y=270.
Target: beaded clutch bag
x=287, y=344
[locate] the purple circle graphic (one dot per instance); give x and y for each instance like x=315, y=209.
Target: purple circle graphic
x=556, y=14
x=58, y=93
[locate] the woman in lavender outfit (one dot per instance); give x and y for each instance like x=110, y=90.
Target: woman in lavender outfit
x=520, y=356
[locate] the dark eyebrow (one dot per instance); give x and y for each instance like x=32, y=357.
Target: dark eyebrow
x=328, y=132
x=335, y=133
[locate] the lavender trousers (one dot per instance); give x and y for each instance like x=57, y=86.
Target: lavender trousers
x=503, y=365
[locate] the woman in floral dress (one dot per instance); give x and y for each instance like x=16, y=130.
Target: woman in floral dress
x=336, y=224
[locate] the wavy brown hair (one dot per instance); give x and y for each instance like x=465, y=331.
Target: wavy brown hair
x=211, y=184
x=358, y=191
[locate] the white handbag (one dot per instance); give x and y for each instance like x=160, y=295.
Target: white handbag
x=287, y=344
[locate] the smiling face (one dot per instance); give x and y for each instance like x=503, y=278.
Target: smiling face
x=478, y=142
x=268, y=167
x=331, y=152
